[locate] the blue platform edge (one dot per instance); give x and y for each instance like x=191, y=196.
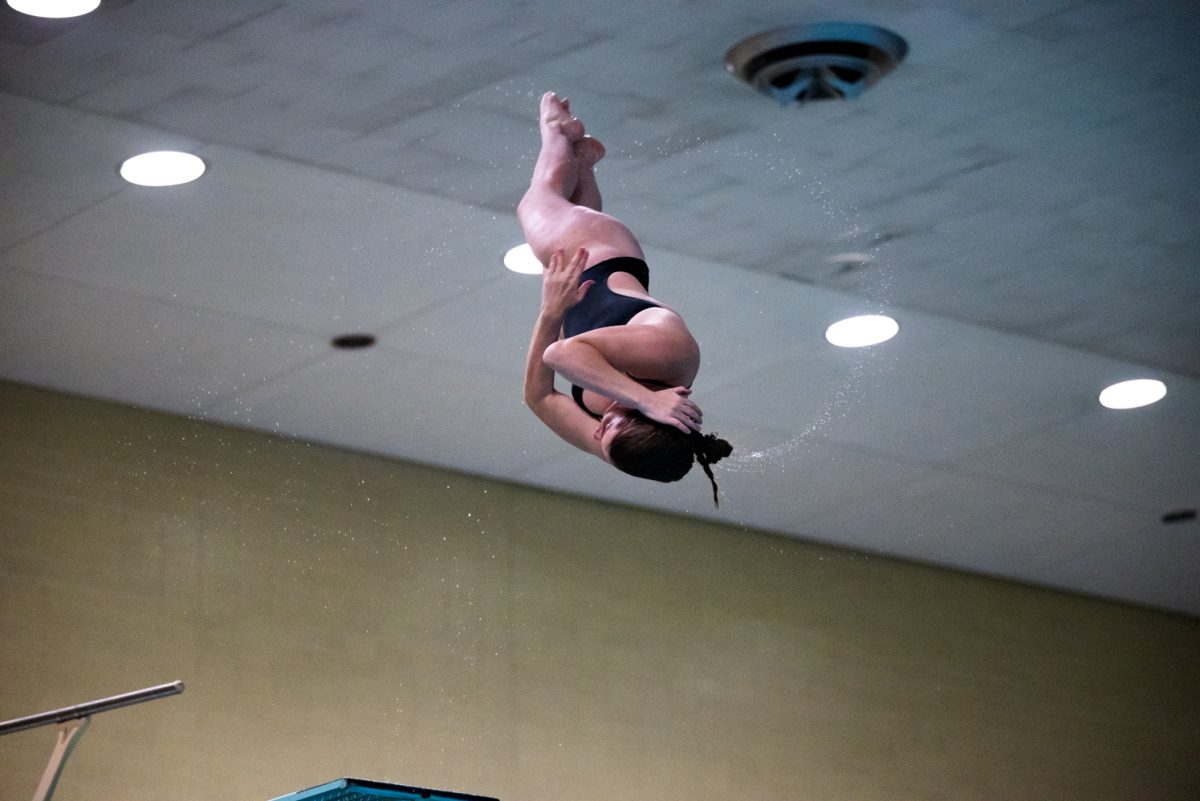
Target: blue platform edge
x=366, y=790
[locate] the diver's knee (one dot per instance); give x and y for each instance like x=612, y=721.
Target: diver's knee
x=523, y=207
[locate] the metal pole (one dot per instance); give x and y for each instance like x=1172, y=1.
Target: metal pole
x=90, y=708
x=68, y=736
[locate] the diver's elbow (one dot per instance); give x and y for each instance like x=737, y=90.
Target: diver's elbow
x=555, y=354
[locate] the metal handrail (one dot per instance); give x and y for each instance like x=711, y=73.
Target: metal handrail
x=91, y=708
x=73, y=722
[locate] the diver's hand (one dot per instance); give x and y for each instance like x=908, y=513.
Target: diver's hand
x=674, y=408
x=560, y=283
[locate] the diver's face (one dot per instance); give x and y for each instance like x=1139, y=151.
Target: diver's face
x=611, y=423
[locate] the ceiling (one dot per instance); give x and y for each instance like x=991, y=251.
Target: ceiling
x=1024, y=191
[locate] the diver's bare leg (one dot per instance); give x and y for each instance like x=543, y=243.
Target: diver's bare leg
x=557, y=169
x=587, y=192
x=548, y=217
x=545, y=212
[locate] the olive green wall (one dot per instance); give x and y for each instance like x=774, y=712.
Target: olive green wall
x=338, y=614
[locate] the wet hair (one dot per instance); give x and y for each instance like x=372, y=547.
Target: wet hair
x=659, y=452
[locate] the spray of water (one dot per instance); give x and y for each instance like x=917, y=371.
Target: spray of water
x=845, y=228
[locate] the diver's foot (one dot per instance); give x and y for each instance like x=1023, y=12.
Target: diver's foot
x=589, y=150
x=573, y=130
x=554, y=109
x=555, y=112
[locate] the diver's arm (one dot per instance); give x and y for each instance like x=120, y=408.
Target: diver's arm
x=539, y=379
x=583, y=360
x=580, y=362
x=559, y=412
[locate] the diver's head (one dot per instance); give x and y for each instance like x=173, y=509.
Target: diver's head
x=637, y=445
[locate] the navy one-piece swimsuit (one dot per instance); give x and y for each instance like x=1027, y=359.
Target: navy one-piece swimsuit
x=601, y=307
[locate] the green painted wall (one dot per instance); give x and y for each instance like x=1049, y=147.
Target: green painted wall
x=338, y=614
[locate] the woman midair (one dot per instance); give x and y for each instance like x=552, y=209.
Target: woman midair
x=631, y=360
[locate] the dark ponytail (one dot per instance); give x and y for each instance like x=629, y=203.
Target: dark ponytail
x=647, y=449
x=710, y=449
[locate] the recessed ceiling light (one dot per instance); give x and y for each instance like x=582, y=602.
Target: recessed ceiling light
x=521, y=260
x=859, y=332
x=162, y=168
x=54, y=9
x=1132, y=394
x=851, y=260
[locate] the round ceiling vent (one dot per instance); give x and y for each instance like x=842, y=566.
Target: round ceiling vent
x=822, y=61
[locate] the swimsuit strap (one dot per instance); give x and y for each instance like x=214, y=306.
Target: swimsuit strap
x=621, y=264
x=577, y=394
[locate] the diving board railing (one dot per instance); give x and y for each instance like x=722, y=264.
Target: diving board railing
x=73, y=721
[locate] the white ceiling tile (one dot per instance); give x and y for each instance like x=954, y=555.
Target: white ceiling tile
x=1157, y=565
x=1147, y=457
x=293, y=245
x=402, y=405
x=937, y=392
x=87, y=148
x=815, y=476
x=938, y=519
x=477, y=328
x=169, y=356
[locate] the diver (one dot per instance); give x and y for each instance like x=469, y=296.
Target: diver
x=630, y=359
